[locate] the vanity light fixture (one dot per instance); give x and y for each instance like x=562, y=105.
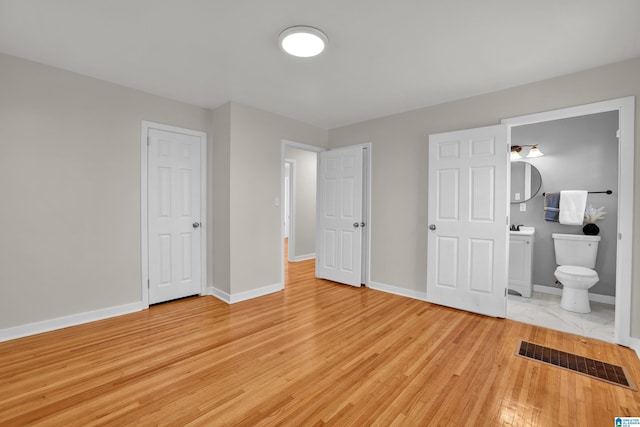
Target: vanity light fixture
x=534, y=151
x=303, y=41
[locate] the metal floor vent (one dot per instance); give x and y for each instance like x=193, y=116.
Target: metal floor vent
x=597, y=369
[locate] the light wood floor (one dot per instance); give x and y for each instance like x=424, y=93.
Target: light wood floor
x=317, y=353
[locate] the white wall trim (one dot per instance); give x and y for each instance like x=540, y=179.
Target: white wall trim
x=144, y=230
x=624, y=260
x=292, y=207
x=605, y=299
x=403, y=292
x=304, y=257
x=221, y=295
x=301, y=146
x=67, y=321
x=634, y=344
x=243, y=296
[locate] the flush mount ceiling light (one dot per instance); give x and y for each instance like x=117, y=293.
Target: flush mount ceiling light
x=303, y=41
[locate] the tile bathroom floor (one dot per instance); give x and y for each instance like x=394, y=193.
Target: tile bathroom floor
x=544, y=310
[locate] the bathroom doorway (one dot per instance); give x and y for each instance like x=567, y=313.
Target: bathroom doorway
x=583, y=149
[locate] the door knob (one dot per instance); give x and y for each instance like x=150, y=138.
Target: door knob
x=196, y=224
x=362, y=224
x=356, y=225
x=432, y=227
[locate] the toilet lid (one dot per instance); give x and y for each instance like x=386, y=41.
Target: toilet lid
x=577, y=271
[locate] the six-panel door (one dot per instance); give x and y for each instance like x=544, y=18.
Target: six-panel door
x=468, y=214
x=174, y=208
x=340, y=222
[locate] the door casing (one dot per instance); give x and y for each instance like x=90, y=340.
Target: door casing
x=292, y=208
x=144, y=218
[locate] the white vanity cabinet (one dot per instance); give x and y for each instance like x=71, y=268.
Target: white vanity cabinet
x=521, y=262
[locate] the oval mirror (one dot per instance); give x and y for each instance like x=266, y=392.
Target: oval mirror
x=525, y=182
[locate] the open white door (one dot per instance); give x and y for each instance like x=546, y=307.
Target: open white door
x=468, y=220
x=174, y=209
x=339, y=221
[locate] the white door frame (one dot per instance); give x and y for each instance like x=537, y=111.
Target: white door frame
x=144, y=215
x=292, y=208
x=626, y=116
x=366, y=261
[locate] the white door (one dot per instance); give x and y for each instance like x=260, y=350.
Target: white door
x=175, y=259
x=468, y=220
x=339, y=221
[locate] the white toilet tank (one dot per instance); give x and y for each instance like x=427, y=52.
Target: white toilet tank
x=576, y=249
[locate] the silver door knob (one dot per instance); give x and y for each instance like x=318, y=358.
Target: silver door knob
x=356, y=225
x=196, y=224
x=432, y=227
x=362, y=224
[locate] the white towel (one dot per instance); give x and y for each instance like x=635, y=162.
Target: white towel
x=572, y=205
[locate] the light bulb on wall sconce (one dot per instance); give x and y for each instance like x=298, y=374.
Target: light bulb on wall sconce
x=515, y=152
x=534, y=151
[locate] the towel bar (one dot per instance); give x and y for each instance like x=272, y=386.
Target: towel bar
x=592, y=192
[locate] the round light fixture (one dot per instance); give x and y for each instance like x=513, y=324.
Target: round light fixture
x=303, y=41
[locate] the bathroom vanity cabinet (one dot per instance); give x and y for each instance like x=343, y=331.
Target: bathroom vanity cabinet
x=521, y=262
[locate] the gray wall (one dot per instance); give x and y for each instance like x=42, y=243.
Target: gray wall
x=70, y=173
x=219, y=168
x=255, y=181
x=70, y=189
x=399, y=171
x=305, y=200
x=581, y=153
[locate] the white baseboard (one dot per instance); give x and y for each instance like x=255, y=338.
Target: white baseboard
x=634, y=344
x=304, y=257
x=605, y=299
x=243, y=296
x=67, y=321
x=221, y=295
x=409, y=293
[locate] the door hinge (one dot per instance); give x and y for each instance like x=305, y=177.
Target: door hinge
x=148, y=286
x=147, y=140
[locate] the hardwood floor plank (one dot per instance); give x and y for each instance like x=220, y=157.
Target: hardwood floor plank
x=317, y=353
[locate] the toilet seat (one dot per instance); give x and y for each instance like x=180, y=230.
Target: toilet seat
x=576, y=271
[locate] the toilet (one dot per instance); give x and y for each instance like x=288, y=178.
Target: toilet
x=576, y=256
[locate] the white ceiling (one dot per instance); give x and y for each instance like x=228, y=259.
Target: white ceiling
x=383, y=57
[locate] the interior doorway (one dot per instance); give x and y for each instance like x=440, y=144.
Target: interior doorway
x=579, y=153
x=301, y=243
x=299, y=184
x=625, y=107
